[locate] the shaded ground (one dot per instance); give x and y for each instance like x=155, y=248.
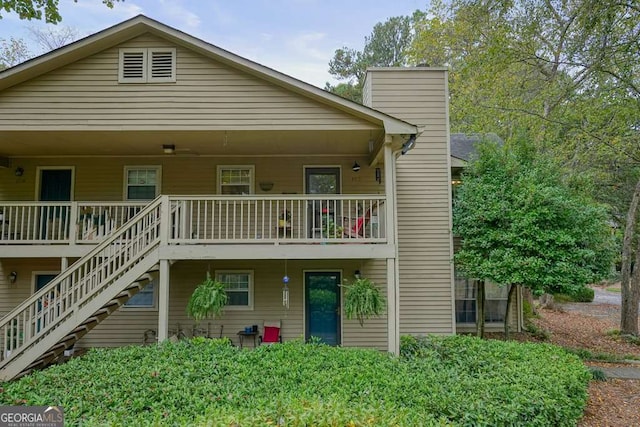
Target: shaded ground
x=615, y=402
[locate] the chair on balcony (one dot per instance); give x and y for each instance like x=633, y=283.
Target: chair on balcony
x=359, y=227
x=270, y=332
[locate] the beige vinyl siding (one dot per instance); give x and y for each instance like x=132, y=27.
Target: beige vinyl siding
x=12, y=294
x=128, y=326
x=206, y=95
x=101, y=179
x=374, y=332
x=419, y=96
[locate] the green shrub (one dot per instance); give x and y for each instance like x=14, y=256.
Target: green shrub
x=598, y=374
x=537, y=332
x=527, y=310
x=583, y=294
x=438, y=382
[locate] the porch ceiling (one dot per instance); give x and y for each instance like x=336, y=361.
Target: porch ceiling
x=187, y=143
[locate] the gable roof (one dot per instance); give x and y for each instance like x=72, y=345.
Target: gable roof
x=463, y=145
x=141, y=24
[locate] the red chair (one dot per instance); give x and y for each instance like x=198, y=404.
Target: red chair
x=270, y=333
x=359, y=227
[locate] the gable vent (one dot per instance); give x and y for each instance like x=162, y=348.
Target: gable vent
x=132, y=65
x=162, y=64
x=147, y=65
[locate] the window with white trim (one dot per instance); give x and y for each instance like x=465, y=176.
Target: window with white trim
x=142, y=182
x=235, y=180
x=495, y=301
x=239, y=288
x=146, y=298
x=147, y=65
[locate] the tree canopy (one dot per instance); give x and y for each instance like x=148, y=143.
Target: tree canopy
x=520, y=223
x=385, y=47
x=39, y=9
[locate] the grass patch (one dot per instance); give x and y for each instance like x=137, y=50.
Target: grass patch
x=585, y=354
x=598, y=374
x=631, y=339
x=613, y=289
x=439, y=381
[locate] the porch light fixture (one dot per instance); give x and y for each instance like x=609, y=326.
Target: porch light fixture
x=357, y=274
x=19, y=171
x=378, y=176
x=168, y=148
x=13, y=276
x=355, y=167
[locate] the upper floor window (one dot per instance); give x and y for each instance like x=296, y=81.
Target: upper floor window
x=235, y=179
x=142, y=183
x=147, y=65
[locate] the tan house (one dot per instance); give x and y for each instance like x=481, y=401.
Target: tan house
x=136, y=160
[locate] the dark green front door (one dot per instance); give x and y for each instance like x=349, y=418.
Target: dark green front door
x=322, y=306
x=55, y=185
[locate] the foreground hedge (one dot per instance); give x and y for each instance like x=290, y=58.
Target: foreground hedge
x=439, y=381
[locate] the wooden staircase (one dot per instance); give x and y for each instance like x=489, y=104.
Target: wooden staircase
x=38, y=331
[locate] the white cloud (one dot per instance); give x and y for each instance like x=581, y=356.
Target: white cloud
x=180, y=15
x=304, y=44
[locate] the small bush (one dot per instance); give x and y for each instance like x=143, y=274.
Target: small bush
x=439, y=381
x=537, y=332
x=583, y=294
x=598, y=374
x=527, y=310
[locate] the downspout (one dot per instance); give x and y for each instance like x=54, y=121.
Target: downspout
x=390, y=178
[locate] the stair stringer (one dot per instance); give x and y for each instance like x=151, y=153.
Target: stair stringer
x=21, y=361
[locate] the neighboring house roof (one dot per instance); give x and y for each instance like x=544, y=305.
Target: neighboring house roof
x=141, y=24
x=463, y=145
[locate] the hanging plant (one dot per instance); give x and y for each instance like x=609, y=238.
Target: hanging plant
x=207, y=300
x=362, y=300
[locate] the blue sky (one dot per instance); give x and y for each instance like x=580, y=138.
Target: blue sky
x=296, y=37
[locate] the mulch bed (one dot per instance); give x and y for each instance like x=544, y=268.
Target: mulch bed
x=614, y=402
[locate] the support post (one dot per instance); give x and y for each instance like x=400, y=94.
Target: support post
x=393, y=326
x=163, y=300
x=393, y=276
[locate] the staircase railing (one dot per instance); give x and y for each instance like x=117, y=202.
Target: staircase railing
x=39, y=315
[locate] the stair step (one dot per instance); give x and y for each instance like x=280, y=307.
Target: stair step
x=70, y=337
x=80, y=328
x=129, y=292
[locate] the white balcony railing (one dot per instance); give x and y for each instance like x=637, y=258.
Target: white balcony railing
x=260, y=219
x=62, y=222
x=204, y=219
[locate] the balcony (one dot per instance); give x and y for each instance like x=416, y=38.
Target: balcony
x=72, y=228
